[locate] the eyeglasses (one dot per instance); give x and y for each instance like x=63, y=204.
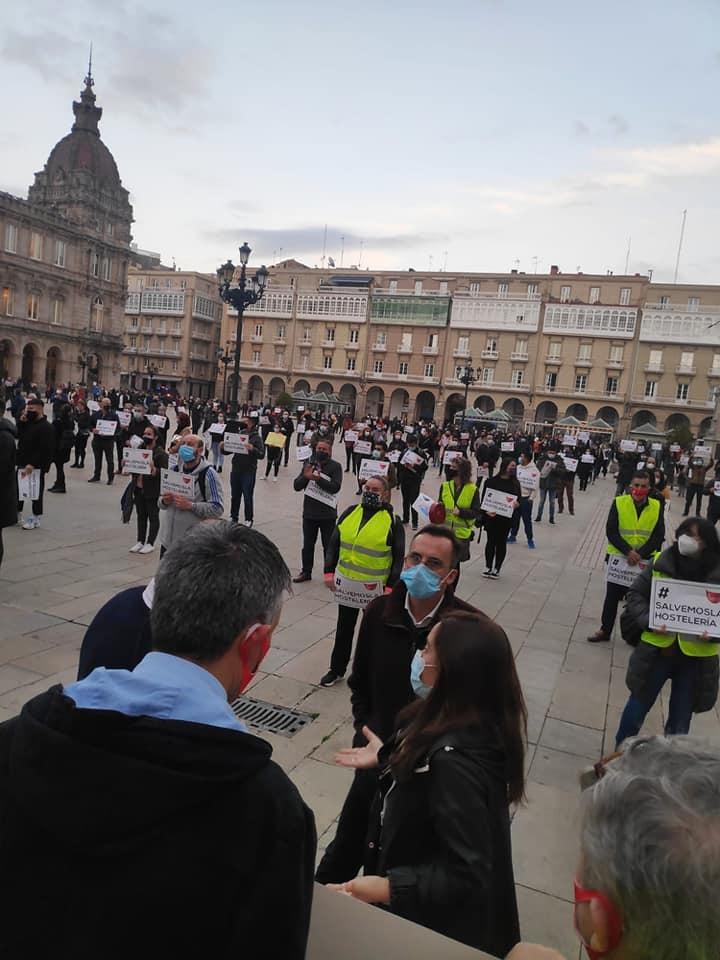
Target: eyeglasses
x=612, y=917
x=432, y=563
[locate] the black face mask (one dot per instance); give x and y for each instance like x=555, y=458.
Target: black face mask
x=148, y=441
x=321, y=456
x=31, y=415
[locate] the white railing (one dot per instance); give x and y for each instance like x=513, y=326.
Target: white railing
x=597, y=321
x=338, y=305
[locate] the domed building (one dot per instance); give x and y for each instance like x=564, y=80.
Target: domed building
x=63, y=262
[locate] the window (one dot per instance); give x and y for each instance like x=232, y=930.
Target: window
x=133, y=341
x=279, y=358
x=354, y=337
x=459, y=371
x=655, y=358
x=175, y=366
x=687, y=358
x=57, y=311
x=611, y=385
x=330, y=334
x=11, y=235
x=281, y=331
x=503, y=289
x=715, y=363
x=594, y=295
x=491, y=345
x=533, y=289
x=381, y=338
x=36, y=245
x=96, y=315
x=443, y=288
x=177, y=326
x=475, y=288
x=565, y=293
x=418, y=287
x=393, y=286
x=516, y=378
x=521, y=347
x=106, y=268
x=146, y=342
x=305, y=361
x=550, y=380
x=307, y=336
x=351, y=363
x=33, y=306
x=95, y=264
x=256, y=356
x=625, y=296
x=650, y=388
x=463, y=344
x=580, y=383
x=378, y=366
x=258, y=329
x=488, y=374
x=327, y=361
x=403, y=368
x=429, y=370
x=665, y=301
x=432, y=341
x=682, y=391
x=7, y=301
x=584, y=351
x=555, y=350
x=406, y=341
x=60, y=250
x=616, y=353
x=693, y=304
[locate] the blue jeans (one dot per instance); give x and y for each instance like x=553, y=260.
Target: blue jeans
x=549, y=495
x=680, y=670
x=524, y=513
x=242, y=486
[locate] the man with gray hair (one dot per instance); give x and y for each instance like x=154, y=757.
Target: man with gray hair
x=205, y=501
x=174, y=829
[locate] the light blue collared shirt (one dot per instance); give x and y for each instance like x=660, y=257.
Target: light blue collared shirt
x=161, y=686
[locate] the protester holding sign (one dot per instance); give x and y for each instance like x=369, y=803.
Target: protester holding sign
x=697, y=470
x=552, y=472
x=713, y=509
x=366, y=547
x=275, y=444
x=204, y=500
x=635, y=530
x=566, y=487
x=411, y=470
x=688, y=660
x=528, y=476
x=103, y=424
x=146, y=491
x=320, y=478
x=243, y=471
x=36, y=449
x=461, y=500
x=497, y=526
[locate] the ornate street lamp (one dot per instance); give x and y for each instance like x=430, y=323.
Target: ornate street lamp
x=239, y=297
x=224, y=359
x=468, y=377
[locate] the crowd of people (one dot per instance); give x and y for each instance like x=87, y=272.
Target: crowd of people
x=145, y=784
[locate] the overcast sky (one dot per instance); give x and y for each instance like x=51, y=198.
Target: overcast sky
x=480, y=134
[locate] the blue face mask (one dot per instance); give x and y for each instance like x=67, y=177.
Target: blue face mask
x=421, y=583
x=416, y=670
x=186, y=453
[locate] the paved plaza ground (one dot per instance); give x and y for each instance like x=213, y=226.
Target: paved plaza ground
x=54, y=579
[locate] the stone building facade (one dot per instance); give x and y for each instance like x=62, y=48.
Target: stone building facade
x=63, y=262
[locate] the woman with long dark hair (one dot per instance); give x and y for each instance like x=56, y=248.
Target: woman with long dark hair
x=438, y=850
x=497, y=527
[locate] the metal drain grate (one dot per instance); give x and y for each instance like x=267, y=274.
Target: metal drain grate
x=270, y=718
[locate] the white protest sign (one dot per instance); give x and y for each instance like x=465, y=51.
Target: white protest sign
x=675, y=448
x=507, y=446
x=264, y=421
x=93, y=405
x=218, y=428
x=356, y=593
x=451, y=456
x=124, y=418
x=373, y=468
x=172, y=461
x=621, y=572
x=496, y=501
x=106, y=428
x=361, y=426
x=182, y=409
x=583, y=435
x=640, y=465
x=137, y=461
x=570, y=464
x=569, y=440
x=628, y=446
x=411, y=430
x=173, y=482
x=716, y=488
x=587, y=458
x=685, y=607
x=235, y=443
x=350, y=436
x=394, y=456
x=362, y=446
x=527, y=476
x=684, y=461
x=29, y=485
x=464, y=436
x=313, y=491
x=484, y=472
x=657, y=446
x=411, y=459
x=159, y=421
x=304, y=452
x=422, y=505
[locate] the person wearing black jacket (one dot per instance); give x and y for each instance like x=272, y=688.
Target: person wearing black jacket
x=103, y=444
x=410, y=475
x=146, y=493
x=497, y=527
x=320, y=478
x=196, y=822
x=83, y=419
x=286, y=426
x=36, y=450
x=64, y=427
x=243, y=471
x=439, y=851
x=8, y=483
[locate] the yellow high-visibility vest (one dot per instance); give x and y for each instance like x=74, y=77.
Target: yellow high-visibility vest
x=364, y=551
x=635, y=530
x=460, y=527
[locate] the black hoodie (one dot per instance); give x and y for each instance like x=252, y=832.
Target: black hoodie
x=138, y=837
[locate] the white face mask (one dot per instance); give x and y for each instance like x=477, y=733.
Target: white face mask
x=688, y=546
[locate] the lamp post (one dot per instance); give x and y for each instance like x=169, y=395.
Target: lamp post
x=240, y=297
x=82, y=362
x=468, y=377
x=225, y=359
x=153, y=371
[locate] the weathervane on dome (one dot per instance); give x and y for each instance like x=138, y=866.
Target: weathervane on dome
x=89, y=82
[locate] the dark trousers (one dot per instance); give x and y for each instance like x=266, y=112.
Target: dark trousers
x=344, y=633
x=81, y=441
x=100, y=446
x=286, y=448
x=37, y=505
x=548, y=494
x=524, y=513
x=348, y=458
x=496, y=529
x=410, y=490
x=566, y=488
x=242, y=486
x=310, y=532
x=614, y=593
x=146, y=511
x=60, y=471
x=274, y=456
x=583, y=478
x=344, y=856
x=694, y=490
x=680, y=670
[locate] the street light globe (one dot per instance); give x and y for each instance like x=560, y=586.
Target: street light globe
x=262, y=277
x=245, y=252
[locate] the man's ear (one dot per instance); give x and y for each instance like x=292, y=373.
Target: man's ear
x=451, y=578
x=600, y=936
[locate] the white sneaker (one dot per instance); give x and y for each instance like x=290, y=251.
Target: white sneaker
x=137, y=548
x=264, y=478
x=147, y=548
x=274, y=479
x=31, y=523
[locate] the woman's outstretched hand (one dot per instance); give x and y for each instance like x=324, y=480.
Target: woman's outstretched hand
x=361, y=758
x=367, y=889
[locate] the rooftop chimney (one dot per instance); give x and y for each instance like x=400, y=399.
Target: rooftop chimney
x=554, y=270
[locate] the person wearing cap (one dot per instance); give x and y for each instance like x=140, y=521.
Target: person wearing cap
x=36, y=450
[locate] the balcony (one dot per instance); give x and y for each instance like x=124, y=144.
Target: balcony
x=379, y=347
x=499, y=385
x=494, y=311
x=352, y=345
x=714, y=372
x=280, y=341
x=463, y=354
x=304, y=343
x=328, y=344
x=146, y=328
x=430, y=351
x=404, y=348
x=489, y=355
x=583, y=362
x=687, y=371
x=520, y=357
x=615, y=364
x=256, y=338
x=176, y=333
x=673, y=402
x=553, y=359
x=197, y=335
x=654, y=368
x=277, y=302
